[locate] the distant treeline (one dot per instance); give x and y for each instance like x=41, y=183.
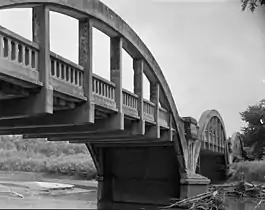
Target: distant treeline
x=39, y=155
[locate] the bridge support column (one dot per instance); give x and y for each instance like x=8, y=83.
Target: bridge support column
x=192, y=183
x=43, y=103
x=117, y=120
x=85, y=113
x=138, y=67
x=134, y=176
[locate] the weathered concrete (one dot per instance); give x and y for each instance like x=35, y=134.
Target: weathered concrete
x=141, y=175
x=110, y=23
x=147, y=172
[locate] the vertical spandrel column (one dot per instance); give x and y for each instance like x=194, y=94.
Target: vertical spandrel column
x=41, y=36
x=117, y=120
x=154, y=97
x=138, y=67
x=85, y=60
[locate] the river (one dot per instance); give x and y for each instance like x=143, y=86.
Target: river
x=82, y=197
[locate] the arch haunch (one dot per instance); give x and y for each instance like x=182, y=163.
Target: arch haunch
x=110, y=23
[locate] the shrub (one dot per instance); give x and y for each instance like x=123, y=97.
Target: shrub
x=39, y=155
x=252, y=170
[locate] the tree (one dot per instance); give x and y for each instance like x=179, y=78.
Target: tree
x=252, y=4
x=254, y=133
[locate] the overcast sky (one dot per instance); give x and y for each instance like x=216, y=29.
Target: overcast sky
x=211, y=53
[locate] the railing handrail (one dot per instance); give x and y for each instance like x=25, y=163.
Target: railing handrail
x=129, y=93
x=18, y=38
x=103, y=80
x=163, y=109
x=148, y=102
x=66, y=61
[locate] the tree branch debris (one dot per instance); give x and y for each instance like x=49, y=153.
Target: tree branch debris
x=214, y=199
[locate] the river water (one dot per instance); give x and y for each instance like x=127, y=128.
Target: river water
x=84, y=197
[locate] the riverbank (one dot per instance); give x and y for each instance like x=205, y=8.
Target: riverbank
x=27, y=190
x=41, y=156
x=252, y=171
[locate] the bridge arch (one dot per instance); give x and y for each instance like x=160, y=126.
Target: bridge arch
x=211, y=142
x=111, y=24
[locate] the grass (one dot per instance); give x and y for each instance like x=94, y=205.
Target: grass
x=39, y=155
x=252, y=170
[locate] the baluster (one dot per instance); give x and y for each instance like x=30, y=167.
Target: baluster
x=36, y=60
x=107, y=91
x=97, y=86
x=23, y=55
x=65, y=72
x=77, y=77
x=111, y=92
x=1, y=46
x=30, y=58
x=129, y=101
x=73, y=70
x=9, y=49
x=101, y=88
x=80, y=81
x=59, y=70
x=16, y=52
x=69, y=74
x=54, y=67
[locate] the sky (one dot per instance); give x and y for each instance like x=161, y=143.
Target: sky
x=211, y=53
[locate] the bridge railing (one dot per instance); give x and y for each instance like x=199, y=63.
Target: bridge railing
x=67, y=77
x=130, y=103
x=19, y=55
x=104, y=92
x=17, y=49
x=163, y=117
x=149, y=111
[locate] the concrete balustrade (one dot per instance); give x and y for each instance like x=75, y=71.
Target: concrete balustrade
x=163, y=117
x=130, y=103
x=18, y=50
x=149, y=111
x=66, y=71
x=103, y=87
x=103, y=92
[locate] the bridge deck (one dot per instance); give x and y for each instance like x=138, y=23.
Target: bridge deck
x=20, y=78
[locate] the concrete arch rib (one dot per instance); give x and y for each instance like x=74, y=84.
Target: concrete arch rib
x=203, y=123
x=235, y=147
x=107, y=17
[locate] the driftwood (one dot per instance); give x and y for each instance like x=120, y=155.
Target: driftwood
x=204, y=201
x=214, y=198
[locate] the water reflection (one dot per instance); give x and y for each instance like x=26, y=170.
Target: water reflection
x=230, y=204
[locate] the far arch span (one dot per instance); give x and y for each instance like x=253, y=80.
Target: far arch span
x=204, y=122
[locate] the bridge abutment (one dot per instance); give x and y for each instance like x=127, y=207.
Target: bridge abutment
x=142, y=176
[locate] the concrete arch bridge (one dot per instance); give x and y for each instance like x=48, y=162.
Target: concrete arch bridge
x=144, y=152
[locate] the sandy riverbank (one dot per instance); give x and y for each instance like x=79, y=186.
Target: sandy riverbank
x=24, y=190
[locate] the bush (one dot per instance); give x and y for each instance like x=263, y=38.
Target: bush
x=39, y=155
x=252, y=170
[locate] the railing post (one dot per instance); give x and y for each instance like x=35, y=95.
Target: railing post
x=41, y=35
x=154, y=97
x=117, y=121
x=138, y=67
